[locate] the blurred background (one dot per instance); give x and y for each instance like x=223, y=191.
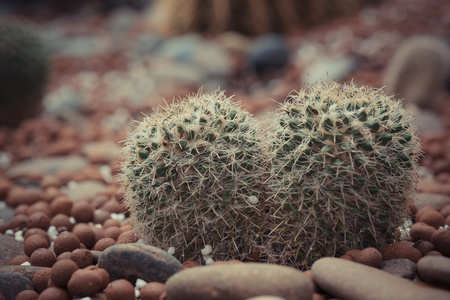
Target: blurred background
x=109, y=61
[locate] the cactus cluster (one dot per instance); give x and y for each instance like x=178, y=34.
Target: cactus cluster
x=335, y=170
x=24, y=71
x=344, y=170
x=193, y=175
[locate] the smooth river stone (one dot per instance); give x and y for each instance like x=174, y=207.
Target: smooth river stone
x=239, y=282
x=352, y=281
x=11, y=284
x=27, y=271
x=434, y=270
x=137, y=260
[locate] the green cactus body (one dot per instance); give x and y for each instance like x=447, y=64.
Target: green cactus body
x=24, y=72
x=343, y=167
x=192, y=176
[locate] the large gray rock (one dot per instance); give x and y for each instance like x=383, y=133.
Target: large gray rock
x=352, y=281
x=434, y=270
x=47, y=166
x=11, y=284
x=9, y=248
x=239, y=282
x=133, y=261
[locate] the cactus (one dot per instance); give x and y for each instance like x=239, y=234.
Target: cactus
x=193, y=175
x=344, y=168
x=24, y=72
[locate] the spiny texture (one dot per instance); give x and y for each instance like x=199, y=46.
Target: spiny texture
x=24, y=70
x=344, y=168
x=192, y=176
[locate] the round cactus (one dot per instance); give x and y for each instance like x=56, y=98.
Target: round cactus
x=344, y=168
x=24, y=72
x=193, y=176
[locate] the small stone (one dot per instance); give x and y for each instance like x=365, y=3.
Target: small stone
x=370, y=257
x=9, y=248
x=12, y=284
x=239, y=281
x=66, y=242
x=27, y=295
x=104, y=243
x=352, y=281
x=84, y=282
x=441, y=241
x=85, y=234
x=133, y=261
x=120, y=289
x=424, y=246
x=82, y=257
x=40, y=279
x=43, y=257
x=55, y=293
x=421, y=231
x=400, y=267
x=82, y=211
x=61, y=272
x=400, y=250
x=433, y=218
x=152, y=291
x=33, y=243
x=435, y=270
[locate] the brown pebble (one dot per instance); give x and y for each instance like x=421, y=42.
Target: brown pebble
x=152, y=290
x=27, y=295
x=370, y=257
x=82, y=211
x=85, y=283
x=40, y=206
x=113, y=206
x=82, y=257
x=5, y=186
x=422, y=210
x=105, y=277
x=421, y=231
x=100, y=216
x=61, y=222
x=441, y=241
x=434, y=253
x=127, y=237
x=424, y=246
x=51, y=193
x=104, y=243
x=400, y=250
x=112, y=232
x=40, y=279
x=61, y=205
x=22, y=209
x=190, y=264
x=54, y=293
x=38, y=220
x=64, y=255
x=34, y=242
x=352, y=255
x=61, y=272
x=19, y=222
x=433, y=218
x=120, y=289
x=66, y=242
x=445, y=211
x=111, y=222
x=19, y=195
x=85, y=234
x=50, y=181
x=39, y=231
x=43, y=257
x=19, y=259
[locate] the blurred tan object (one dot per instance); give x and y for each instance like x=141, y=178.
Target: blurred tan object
x=250, y=17
x=418, y=71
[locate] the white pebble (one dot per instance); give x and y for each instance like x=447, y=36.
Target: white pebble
x=9, y=232
x=140, y=283
x=207, y=250
x=252, y=200
x=209, y=261
x=18, y=236
x=86, y=298
x=171, y=250
x=137, y=293
x=2, y=205
x=25, y=263
x=118, y=217
x=72, y=220
x=52, y=232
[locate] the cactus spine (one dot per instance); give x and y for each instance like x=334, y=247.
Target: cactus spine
x=344, y=168
x=193, y=174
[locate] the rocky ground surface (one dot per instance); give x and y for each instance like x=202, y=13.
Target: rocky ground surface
x=64, y=232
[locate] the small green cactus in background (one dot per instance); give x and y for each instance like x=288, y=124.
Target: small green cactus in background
x=343, y=168
x=193, y=176
x=24, y=72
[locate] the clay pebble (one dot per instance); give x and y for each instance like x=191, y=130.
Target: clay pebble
x=239, y=282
